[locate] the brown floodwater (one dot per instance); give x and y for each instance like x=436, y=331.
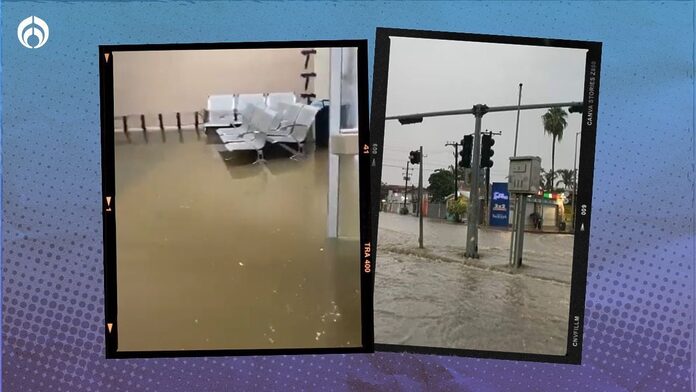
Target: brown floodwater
x=424, y=300
x=216, y=254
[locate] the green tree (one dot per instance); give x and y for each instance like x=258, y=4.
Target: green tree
x=458, y=207
x=441, y=184
x=567, y=178
x=547, y=180
x=554, y=121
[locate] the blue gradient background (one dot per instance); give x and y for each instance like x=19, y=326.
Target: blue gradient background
x=640, y=297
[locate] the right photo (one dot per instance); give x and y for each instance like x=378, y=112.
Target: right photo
x=482, y=226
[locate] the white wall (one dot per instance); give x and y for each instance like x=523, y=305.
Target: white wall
x=322, y=67
x=152, y=82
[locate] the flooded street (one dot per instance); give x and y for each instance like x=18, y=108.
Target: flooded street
x=434, y=297
x=228, y=255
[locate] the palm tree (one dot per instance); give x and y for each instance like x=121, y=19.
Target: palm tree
x=547, y=180
x=567, y=178
x=554, y=123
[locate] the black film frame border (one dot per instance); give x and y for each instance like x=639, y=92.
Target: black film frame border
x=106, y=94
x=585, y=179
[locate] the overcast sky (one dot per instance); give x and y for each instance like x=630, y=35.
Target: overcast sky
x=433, y=75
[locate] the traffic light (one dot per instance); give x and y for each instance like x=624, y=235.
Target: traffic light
x=465, y=153
x=487, y=143
x=410, y=120
x=414, y=157
x=575, y=109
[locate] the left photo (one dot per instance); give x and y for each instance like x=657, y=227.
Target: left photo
x=232, y=197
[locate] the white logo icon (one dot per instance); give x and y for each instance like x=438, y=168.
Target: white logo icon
x=499, y=196
x=32, y=26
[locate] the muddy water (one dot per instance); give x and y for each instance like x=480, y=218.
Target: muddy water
x=228, y=255
x=422, y=301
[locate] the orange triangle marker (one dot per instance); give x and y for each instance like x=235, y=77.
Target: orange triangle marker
x=109, y=326
x=106, y=56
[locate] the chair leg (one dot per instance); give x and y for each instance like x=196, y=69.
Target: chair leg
x=300, y=154
x=259, y=157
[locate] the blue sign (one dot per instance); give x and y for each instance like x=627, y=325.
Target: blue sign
x=500, y=204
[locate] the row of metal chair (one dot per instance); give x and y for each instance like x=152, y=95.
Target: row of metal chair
x=259, y=125
x=223, y=110
x=220, y=113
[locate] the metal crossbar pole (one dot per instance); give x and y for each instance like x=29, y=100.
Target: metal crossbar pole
x=420, y=200
x=490, y=110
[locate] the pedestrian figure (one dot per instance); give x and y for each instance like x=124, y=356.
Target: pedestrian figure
x=536, y=220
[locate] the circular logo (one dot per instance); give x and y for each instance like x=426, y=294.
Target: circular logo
x=32, y=32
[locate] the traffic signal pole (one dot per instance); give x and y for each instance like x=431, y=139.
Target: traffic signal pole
x=486, y=216
x=478, y=110
x=456, y=164
x=474, y=202
x=456, y=184
x=406, y=184
x=420, y=200
x=487, y=153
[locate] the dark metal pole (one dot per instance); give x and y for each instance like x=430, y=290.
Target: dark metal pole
x=456, y=185
x=125, y=128
x=474, y=202
x=420, y=200
x=161, y=126
x=406, y=185
x=456, y=164
x=517, y=125
x=142, y=124
x=513, y=234
x=488, y=196
x=519, y=243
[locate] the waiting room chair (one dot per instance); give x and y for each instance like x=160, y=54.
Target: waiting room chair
x=298, y=131
x=220, y=111
x=262, y=120
x=274, y=100
x=244, y=100
x=253, y=140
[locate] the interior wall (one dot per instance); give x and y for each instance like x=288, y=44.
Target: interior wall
x=322, y=67
x=151, y=82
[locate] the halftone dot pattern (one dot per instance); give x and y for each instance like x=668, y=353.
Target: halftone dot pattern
x=639, y=312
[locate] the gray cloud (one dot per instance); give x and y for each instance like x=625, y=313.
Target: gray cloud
x=433, y=75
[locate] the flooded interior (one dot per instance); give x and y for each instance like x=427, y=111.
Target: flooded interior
x=225, y=254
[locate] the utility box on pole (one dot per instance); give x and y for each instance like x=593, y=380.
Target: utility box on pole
x=524, y=178
x=524, y=175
